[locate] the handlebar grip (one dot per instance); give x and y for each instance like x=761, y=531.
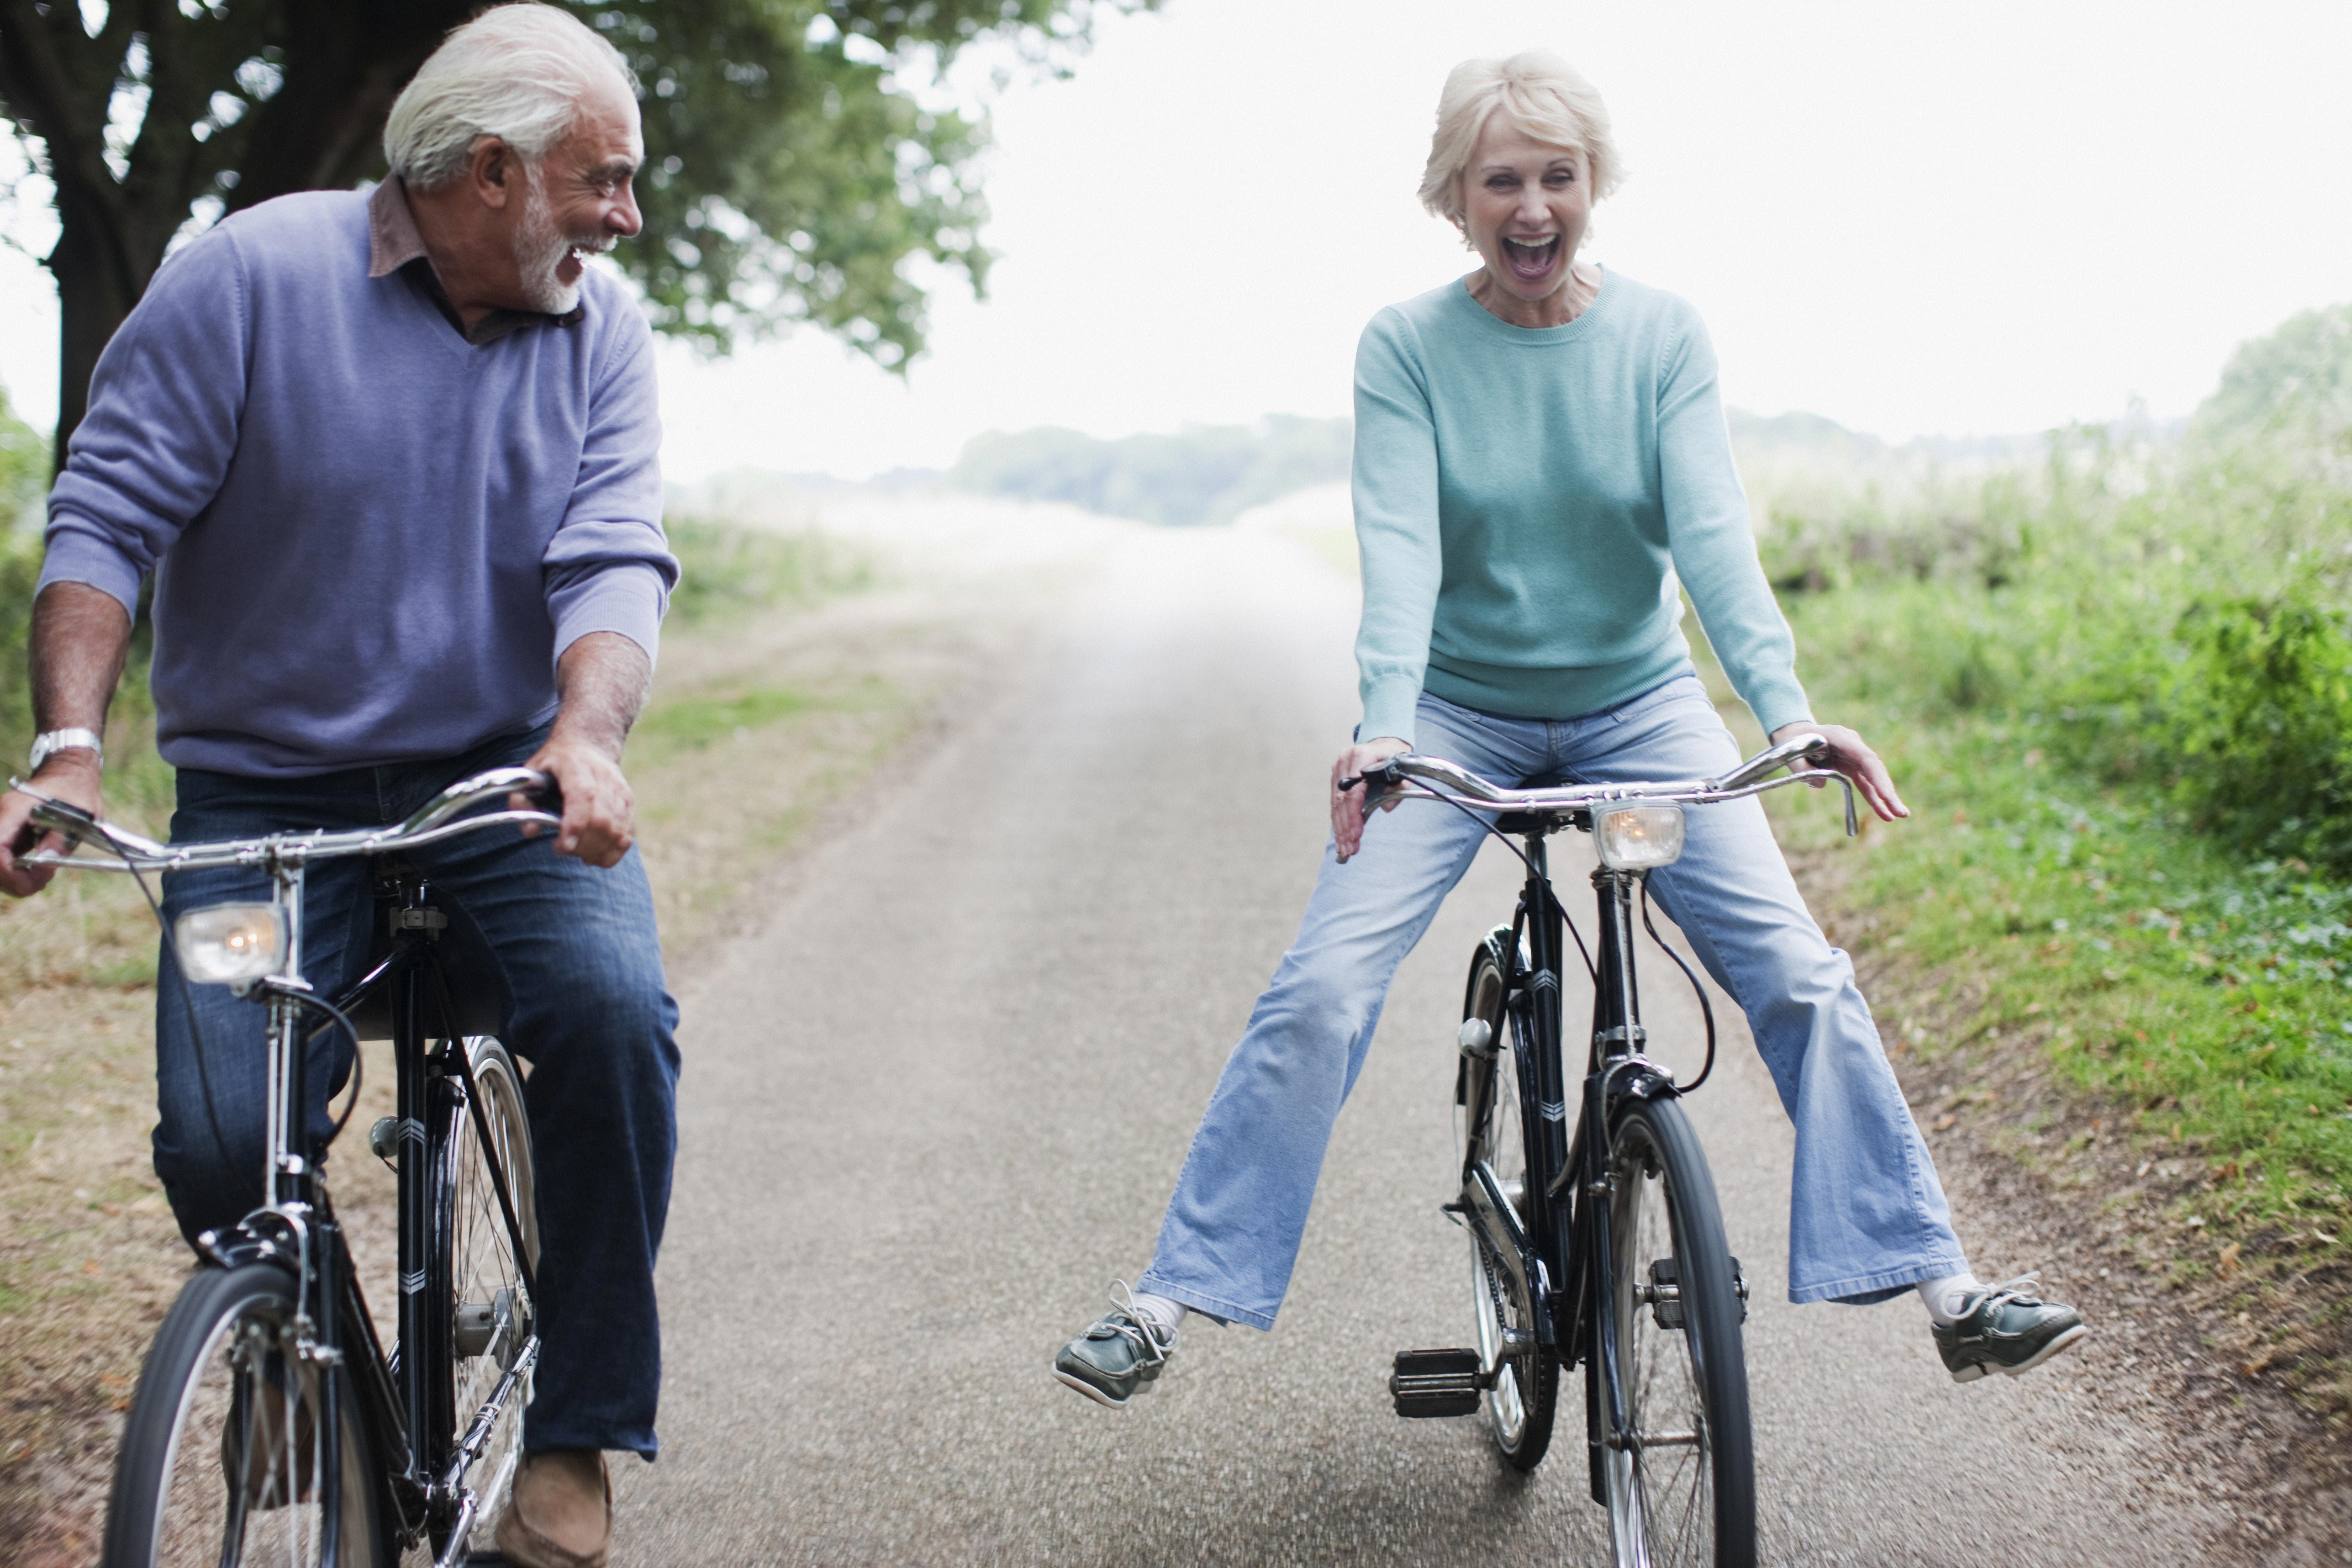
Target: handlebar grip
x=545, y=792
x=1378, y=777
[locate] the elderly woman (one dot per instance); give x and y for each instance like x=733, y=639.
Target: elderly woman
x=1541, y=457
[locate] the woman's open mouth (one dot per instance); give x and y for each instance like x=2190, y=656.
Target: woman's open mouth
x=1530, y=259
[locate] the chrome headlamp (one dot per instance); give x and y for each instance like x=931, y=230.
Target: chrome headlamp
x=231, y=944
x=1638, y=837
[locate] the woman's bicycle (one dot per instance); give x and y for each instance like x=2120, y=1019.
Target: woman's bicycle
x=271, y=1424
x=1597, y=1239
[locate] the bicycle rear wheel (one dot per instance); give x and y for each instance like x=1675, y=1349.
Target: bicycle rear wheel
x=222, y=1457
x=1679, y=1471
x=492, y=1311
x=1519, y=1407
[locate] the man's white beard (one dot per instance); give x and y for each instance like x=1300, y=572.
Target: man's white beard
x=541, y=248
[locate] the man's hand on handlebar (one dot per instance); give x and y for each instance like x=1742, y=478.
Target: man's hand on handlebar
x=602, y=680
x=1848, y=754
x=71, y=776
x=600, y=810
x=1348, y=813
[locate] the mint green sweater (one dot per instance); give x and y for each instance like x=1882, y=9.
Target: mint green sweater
x=1527, y=498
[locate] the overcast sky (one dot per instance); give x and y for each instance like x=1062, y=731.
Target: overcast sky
x=1915, y=219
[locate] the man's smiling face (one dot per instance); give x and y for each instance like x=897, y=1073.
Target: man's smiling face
x=578, y=201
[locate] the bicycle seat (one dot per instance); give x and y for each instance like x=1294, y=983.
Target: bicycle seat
x=477, y=988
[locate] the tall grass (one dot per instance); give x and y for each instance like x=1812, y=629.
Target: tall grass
x=2117, y=681
x=2168, y=615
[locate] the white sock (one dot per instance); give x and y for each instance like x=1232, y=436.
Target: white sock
x=1948, y=1298
x=1167, y=1316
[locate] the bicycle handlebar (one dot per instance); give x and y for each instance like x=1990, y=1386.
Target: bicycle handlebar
x=440, y=817
x=1465, y=788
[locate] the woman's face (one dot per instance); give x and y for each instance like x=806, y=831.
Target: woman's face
x=1524, y=206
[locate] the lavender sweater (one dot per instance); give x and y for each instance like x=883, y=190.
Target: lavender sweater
x=372, y=539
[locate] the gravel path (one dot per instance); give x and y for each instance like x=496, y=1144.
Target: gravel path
x=938, y=1101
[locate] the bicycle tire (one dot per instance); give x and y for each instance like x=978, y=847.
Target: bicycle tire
x=1520, y=1409
x=1681, y=1482
x=221, y=1386
x=489, y=1306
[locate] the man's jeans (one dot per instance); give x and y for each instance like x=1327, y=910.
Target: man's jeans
x=1867, y=1217
x=582, y=965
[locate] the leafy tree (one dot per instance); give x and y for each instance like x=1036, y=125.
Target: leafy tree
x=793, y=165
x=2296, y=379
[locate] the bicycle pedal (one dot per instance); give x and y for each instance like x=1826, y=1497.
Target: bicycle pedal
x=1435, y=1382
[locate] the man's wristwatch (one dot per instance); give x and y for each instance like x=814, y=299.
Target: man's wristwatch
x=50, y=743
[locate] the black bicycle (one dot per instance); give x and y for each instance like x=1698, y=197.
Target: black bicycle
x=271, y=1424
x=1600, y=1239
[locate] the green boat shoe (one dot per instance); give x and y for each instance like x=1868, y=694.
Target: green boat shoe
x=1119, y=1357
x=2007, y=1329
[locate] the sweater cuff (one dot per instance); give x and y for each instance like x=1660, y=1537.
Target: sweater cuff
x=1779, y=704
x=1389, y=709
x=627, y=598
x=77, y=557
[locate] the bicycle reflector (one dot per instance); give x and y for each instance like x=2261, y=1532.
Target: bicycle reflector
x=231, y=942
x=1638, y=837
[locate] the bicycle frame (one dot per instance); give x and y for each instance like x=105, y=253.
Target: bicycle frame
x=1559, y=1250
x=405, y=1395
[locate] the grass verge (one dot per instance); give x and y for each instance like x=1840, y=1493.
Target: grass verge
x=2156, y=1027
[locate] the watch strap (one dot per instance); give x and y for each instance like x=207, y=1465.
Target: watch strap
x=49, y=743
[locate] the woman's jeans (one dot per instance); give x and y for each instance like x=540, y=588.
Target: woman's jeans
x=1866, y=1217
x=587, y=1009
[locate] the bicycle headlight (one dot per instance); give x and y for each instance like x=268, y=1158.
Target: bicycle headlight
x=1638, y=837
x=228, y=943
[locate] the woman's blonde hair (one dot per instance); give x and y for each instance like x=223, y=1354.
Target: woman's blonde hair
x=1544, y=97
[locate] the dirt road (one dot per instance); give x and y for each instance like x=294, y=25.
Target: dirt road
x=939, y=1099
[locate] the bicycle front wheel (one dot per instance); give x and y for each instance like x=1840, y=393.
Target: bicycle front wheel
x=224, y=1455
x=1677, y=1456
x=492, y=1315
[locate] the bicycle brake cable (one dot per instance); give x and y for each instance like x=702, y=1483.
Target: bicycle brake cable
x=359, y=1057
x=1706, y=1009
x=1591, y=970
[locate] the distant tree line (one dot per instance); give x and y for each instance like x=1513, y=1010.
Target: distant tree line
x=1208, y=474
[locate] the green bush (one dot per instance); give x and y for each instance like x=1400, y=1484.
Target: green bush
x=2259, y=722
x=24, y=475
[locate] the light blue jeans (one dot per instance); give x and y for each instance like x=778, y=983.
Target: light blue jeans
x=1866, y=1216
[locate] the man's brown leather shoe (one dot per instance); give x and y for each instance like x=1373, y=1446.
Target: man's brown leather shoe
x=560, y=1514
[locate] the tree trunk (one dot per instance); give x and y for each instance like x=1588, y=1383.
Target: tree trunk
x=97, y=282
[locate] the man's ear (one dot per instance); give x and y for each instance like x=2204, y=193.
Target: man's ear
x=492, y=170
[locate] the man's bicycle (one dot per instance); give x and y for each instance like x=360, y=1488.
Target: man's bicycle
x=1599, y=1238
x=271, y=1424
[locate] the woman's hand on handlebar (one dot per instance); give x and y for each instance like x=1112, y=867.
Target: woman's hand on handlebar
x=1347, y=813
x=1850, y=755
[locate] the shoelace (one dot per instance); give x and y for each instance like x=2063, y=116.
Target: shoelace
x=1139, y=1327
x=2020, y=1291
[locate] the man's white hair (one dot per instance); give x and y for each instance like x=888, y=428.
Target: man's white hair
x=1544, y=97
x=517, y=72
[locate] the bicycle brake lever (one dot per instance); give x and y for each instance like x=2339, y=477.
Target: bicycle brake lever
x=58, y=815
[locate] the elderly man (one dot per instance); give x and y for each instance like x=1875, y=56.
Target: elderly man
x=391, y=459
